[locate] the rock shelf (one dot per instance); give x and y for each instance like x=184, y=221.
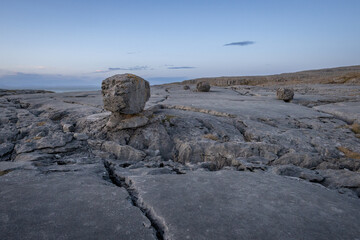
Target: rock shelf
x=231, y=163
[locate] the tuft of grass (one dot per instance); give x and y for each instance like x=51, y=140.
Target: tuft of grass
x=355, y=127
x=347, y=77
x=41, y=124
x=37, y=138
x=168, y=118
x=211, y=137
x=3, y=172
x=348, y=153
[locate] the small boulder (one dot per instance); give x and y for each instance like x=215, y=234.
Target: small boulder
x=286, y=94
x=125, y=93
x=81, y=136
x=203, y=87
x=68, y=127
x=186, y=87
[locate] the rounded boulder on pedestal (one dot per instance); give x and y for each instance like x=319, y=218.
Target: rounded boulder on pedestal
x=125, y=93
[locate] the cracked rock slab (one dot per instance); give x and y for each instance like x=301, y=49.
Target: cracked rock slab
x=243, y=205
x=72, y=205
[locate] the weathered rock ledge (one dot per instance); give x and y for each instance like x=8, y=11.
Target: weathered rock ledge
x=231, y=163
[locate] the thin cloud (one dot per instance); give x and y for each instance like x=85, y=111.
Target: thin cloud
x=129, y=68
x=182, y=67
x=135, y=68
x=243, y=43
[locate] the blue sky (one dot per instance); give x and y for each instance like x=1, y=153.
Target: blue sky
x=82, y=42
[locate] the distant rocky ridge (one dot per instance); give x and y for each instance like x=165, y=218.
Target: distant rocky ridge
x=5, y=92
x=340, y=75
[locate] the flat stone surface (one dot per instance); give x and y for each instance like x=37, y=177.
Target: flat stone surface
x=57, y=187
x=67, y=205
x=228, y=101
x=243, y=205
x=349, y=111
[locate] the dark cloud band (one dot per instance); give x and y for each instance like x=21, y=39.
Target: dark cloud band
x=244, y=43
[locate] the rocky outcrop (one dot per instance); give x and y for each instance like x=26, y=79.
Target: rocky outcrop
x=125, y=96
x=125, y=153
x=6, y=92
x=125, y=93
x=294, y=171
x=341, y=75
x=120, y=121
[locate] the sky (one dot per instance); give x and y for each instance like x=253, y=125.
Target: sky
x=70, y=43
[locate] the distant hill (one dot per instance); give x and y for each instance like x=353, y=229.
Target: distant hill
x=340, y=75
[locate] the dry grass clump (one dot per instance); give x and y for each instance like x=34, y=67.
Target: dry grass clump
x=34, y=138
x=349, y=77
x=41, y=124
x=355, y=127
x=168, y=118
x=349, y=154
x=3, y=172
x=211, y=137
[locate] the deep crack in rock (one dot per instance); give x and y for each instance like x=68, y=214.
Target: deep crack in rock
x=156, y=224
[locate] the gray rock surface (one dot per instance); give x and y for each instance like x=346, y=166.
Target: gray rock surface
x=337, y=179
x=67, y=205
x=294, y=171
x=123, y=152
x=125, y=93
x=119, y=122
x=81, y=136
x=348, y=111
x=242, y=129
x=6, y=148
x=244, y=205
x=285, y=94
x=203, y=87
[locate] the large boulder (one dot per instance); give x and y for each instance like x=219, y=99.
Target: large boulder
x=203, y=87
x=125, y=93
x=286, y=94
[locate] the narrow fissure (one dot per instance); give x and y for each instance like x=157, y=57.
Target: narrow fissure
x=155, y=224
x=162, y=100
